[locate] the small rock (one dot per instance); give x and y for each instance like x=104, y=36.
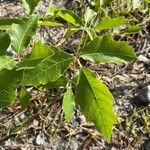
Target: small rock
x=74, y=145
x=144, y=95
x=148, y=54
x=16, y=120
x=7, y=143
x=35, y=122
x=22, y=116
x=39, y=140
x=78, y=120
x=83, y=120
x=143, y=59
x=75, y=121
x=138, y=66
x=11, y=52
x=145, y=145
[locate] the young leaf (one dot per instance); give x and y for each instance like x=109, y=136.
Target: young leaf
x=133, y=29
x=108, y=23
x=24, y=97
x=49, y=69
x=96, y=102
x=105, y=3
x=20, y=34
x=68, y=104
x=4, y=43
x=39, y=52
x=68, y=15
x=105, y=49
x=10, y=81
x=91, y=33
x=30, y=5
x=89, y=14
x=102, y=3
x=50, y=22
x=97, y=4
x=6, y=62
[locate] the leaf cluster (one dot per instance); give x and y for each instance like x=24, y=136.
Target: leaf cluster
x=46, y=65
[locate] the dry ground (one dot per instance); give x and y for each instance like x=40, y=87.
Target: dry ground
x=42, y=125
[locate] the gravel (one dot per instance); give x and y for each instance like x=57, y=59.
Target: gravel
x=144, y=95
x=124, y=82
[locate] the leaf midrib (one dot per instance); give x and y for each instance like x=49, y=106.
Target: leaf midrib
x=1, y=66
x=49, y=67
x=107, y=54
x=28, y=29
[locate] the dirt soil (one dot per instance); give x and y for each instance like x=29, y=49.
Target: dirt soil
x=42, y=126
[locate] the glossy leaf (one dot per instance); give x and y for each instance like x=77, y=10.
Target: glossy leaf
x=10, y=81
x=30, y=5
x=68, y=104
x=21, y=34
x=39, y=52
x=49, y=69
x=96, y=102
x=6, y=62
x=4, y=43
x=105, y=49
x=68, y=15
x=108, y=23
x=24, y=97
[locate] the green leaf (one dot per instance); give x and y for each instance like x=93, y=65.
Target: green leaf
x=5, y=23
x=97, y=4
x=96, y=102
x=68, y=15
x=50, y=23
x=105, y=49
x=89, y=14
x=68, y=104
x=108, y=23
x=30, y=5
x=4, y=43
x=49, y=69
x=71, y=31
x=133, y=29
x=91, y=33
x=21, y=34
x=24, y=97
x=105, y=3
x=39, y=52
x=10, y=81
x=6, y=62
x=60, y=82
x=102, y=3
